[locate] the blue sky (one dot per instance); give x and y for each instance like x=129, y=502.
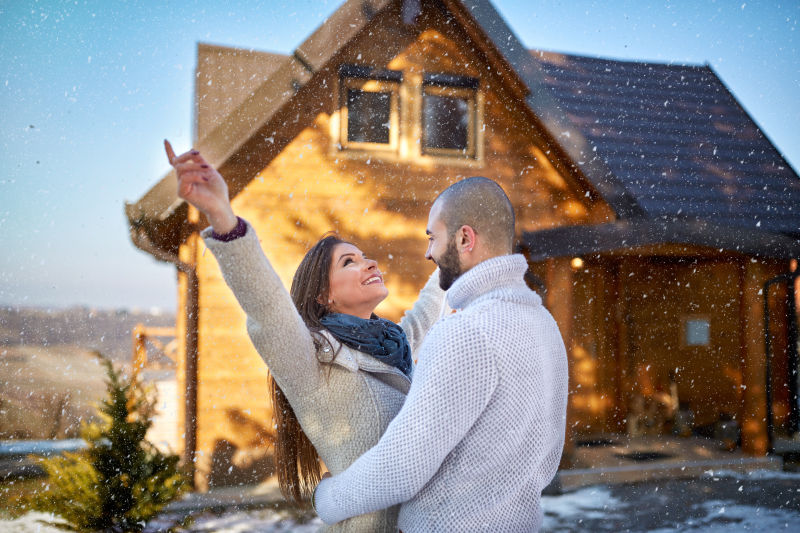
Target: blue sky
x=88, y=89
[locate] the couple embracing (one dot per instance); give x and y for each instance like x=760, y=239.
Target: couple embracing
x=469, y=443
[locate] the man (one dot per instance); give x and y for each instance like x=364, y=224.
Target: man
x=482, y=429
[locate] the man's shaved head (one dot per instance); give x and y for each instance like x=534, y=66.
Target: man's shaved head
x=481, y=204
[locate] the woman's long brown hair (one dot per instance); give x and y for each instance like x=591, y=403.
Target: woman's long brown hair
x=296, y=460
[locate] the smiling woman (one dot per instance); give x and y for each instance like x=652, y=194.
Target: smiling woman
x=328, y=354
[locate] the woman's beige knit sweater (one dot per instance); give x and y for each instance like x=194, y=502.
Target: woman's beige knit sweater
x=344, y=404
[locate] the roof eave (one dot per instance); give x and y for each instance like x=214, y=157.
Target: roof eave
x=616, y=236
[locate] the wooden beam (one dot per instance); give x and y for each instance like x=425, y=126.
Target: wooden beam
x=190, y=320
x=610, y=293
x=139, y=349
x=754, y=401
x=559, y=301
x=621, y=321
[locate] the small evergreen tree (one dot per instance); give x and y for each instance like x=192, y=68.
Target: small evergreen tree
x=120, y=480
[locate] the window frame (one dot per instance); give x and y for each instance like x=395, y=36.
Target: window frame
x=369, y=80
x=685, y=319
x=453, y=86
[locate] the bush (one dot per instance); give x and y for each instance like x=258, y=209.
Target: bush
x=120, y=481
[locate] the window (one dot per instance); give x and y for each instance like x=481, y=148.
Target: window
x=424, y=116
x=449, y=115
x=369, y=116
x=369, y=108
x=697, y=332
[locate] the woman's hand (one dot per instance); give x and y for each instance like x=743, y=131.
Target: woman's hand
x=202, y=186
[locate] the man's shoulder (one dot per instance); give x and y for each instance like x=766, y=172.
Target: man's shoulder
x=498, y=315
x=457, y=319
x=489, y=305
x=458, y=325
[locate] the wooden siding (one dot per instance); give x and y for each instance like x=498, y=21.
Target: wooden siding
x=662, y=295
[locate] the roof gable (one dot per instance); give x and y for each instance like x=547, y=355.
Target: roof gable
x=241, y=143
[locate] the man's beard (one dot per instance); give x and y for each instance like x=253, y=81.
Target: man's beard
x=449, y=266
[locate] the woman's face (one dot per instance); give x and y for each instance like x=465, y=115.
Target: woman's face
x=356, y=284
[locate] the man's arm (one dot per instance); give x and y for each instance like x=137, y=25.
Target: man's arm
x=418, y=320
x=453, y=382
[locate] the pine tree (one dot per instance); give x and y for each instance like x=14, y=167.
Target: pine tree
x=120, y=480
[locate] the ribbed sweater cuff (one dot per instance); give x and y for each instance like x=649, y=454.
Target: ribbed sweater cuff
x=235, y=233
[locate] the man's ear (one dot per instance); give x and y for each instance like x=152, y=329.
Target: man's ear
x=465, y=239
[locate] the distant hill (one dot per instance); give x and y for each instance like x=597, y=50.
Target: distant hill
x=46, y=392
x=107, y=331
x=50, y=380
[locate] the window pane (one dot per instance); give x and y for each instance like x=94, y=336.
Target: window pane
x=445, y=122
x=698, y=332
x=368, y=116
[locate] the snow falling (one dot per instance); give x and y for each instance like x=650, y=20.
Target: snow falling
x=651, y=160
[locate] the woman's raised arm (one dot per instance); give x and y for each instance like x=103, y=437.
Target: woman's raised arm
x=275, y=327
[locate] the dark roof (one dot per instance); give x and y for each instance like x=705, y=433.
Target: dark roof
x=626, y=234
x=676, y=139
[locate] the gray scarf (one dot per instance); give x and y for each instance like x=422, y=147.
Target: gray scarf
x=382, y=339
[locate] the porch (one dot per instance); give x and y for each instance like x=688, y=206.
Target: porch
x=619, y=458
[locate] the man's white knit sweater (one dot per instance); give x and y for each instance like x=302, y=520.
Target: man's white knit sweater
x=482, y=429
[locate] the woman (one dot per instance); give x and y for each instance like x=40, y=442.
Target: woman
x=338, y=373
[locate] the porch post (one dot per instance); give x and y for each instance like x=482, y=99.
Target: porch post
x=754, y=398
x=559, y=302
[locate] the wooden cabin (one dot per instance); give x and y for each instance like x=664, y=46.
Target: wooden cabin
x=651, y=207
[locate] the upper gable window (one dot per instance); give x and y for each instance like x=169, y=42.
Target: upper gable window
x=369, y=107
x=449, y=115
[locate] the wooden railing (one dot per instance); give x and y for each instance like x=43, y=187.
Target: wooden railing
x=152, y=337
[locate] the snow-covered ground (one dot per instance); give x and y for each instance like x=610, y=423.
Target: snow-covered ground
x=723, y=502
x=583, y=509
x=717, y=502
